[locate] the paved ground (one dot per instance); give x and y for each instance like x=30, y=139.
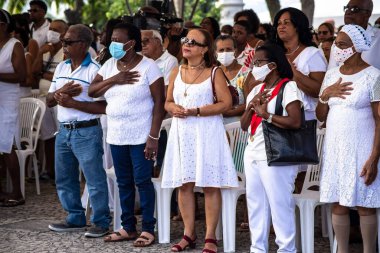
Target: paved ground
x=25, y=229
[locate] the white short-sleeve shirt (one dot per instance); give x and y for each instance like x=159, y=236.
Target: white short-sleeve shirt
x=83, y=75
x=40, y=34
x=130, y=106
x=166, y=63
x=311, y=59
x=256, y=144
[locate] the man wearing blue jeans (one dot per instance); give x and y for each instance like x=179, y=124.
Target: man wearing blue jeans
x=79, y=140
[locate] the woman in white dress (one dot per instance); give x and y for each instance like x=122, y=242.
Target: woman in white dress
x=348, y=103
x=197, y=152
x=12, y=72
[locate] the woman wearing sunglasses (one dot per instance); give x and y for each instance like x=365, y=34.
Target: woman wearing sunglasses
x=325, y=31
x=198, y=153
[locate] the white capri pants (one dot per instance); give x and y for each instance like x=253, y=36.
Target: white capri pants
x=270, y=195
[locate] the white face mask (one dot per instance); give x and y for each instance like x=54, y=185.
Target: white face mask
x=341, y=55
x=53, y=37
x=259, y=73
x=226, y=58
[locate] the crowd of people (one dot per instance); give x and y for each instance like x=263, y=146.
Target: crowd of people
x=108, y=93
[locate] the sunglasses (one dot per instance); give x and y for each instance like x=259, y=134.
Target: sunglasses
x=191, y=42
x=323, y=32
x=354, y=9
x=257, y=63
x=147, y=41
x=33, y=10
x=69, y=42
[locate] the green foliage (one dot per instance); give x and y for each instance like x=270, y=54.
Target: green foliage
x=205, y=8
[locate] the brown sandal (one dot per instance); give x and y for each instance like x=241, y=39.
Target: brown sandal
x=213, y=241
x=191, y=244
x=121, y=235
x=144, y=241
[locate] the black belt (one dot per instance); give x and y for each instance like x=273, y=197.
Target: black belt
x=80, y=124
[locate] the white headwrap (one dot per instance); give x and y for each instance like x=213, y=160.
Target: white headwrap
x=359, y=37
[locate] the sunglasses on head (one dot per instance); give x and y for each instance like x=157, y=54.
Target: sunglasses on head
x=191, y=42
x=69, y=42
x=354, y=9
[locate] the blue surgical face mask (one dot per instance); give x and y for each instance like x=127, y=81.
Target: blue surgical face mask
x=117, y=50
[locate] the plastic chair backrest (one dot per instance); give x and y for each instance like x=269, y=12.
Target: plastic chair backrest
x=35, y=93
x=238, y=140
x=32, y=111
x=313, y=171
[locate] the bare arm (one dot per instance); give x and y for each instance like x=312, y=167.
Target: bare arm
x=311, y=84
x=95, y=107
x=19, y=66
x=370, y=169
x=235, y=111
x=99, y=86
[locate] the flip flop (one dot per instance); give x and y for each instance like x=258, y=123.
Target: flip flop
x=121, y=235
x=12, y=202
x=143, y=241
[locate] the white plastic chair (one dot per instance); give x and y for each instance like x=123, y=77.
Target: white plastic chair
x=163, y=196
x=308, y=199
x=32, y=111
x=116, y=200
x=238, y=141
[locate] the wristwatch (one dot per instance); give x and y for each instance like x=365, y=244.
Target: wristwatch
x=269, y=119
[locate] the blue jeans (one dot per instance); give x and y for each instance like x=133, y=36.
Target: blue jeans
x=81, y=148
x=132, y=169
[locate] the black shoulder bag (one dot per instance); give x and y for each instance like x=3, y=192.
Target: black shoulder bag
x=290, y=146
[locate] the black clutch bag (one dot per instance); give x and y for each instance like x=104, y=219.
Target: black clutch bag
x=290, y=146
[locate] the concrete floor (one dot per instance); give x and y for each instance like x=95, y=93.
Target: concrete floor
x=25, y=229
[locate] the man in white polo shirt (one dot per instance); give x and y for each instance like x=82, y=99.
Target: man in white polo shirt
x=79, y=140
x=152, y=47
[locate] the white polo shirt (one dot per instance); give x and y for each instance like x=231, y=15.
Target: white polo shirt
x=166, y=63
x=40, y=34
x=83, y=75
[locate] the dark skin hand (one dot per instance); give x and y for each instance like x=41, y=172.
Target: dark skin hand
x=65, y=100
x=99, y=86
x=70, y=88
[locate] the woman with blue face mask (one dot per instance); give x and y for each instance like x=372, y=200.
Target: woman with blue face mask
x=348, y=103
x=133, y=87
x=225, y=48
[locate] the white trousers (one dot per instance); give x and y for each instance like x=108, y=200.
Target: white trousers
x=270, y=195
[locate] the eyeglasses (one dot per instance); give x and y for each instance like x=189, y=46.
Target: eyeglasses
x=257, y=63
x=354, y=9
x=191, y=42
x=323, y=32
x=69, y=42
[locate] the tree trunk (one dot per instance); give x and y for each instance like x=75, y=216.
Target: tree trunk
x=75, y=16
x=307, y=7
x=273, y=7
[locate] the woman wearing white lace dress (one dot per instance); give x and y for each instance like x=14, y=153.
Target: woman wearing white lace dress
x=197, y=152
x=348, y=103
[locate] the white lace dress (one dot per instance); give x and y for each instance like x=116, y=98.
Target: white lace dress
x=349, y=140
x=197, y=149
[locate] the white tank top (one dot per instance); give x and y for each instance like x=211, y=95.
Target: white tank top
x=6, y=60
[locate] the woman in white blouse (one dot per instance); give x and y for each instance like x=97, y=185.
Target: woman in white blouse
x=270, y=188
x=307, y=61
x=133, y=87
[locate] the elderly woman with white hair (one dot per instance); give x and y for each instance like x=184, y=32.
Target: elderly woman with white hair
x=348, y=102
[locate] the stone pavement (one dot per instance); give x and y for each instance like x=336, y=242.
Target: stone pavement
x=25, y=229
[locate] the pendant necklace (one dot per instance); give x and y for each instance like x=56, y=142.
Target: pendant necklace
x=190, y=83
x=294, y=50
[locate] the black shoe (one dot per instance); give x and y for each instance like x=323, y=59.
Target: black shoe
x=95, y=232
x=66, y=227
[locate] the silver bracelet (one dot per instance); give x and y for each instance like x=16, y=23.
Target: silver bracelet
x=153, y=138
x=323, y=102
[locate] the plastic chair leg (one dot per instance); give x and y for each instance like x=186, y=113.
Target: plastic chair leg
x=298, y=230
x=307, y=225
x=21, y=161
x=163, y=196
x=36, y=174
x=229, y=200
x=116, y=208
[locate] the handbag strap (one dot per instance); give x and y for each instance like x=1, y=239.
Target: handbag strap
x=213, y=71
x=279, y=108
